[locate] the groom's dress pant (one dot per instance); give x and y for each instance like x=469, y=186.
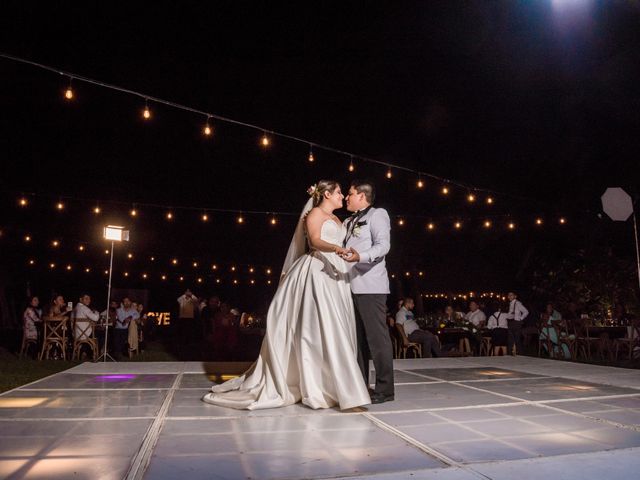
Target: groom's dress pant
x=374, y=342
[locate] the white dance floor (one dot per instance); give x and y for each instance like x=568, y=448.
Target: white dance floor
x=453, y=418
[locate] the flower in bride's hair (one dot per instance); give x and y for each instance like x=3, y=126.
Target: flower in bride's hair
x=311, y=190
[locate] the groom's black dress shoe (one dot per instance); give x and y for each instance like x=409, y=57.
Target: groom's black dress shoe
x=381, y=398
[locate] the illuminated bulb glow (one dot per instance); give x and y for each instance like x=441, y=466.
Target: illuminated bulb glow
x=471, y=197
x=81, y=248
x=27, y=238
x=146, y=113
x=487, y=224
x=195, y=264
x=538, y=221
x=23, y=202
x=207, y=129
x=489, y=200
x=420, y=183
x=240, y=219
x=96, y=210
x=273, y=220
x=512, y=226
x=389, y=174
x=563, y=220
x=351, y=166
x=55, y=243
x=264, y=141
x=60, y=206
x=457, y=225
x=68, y=94
x=205, y=217
x=174, y=261
x=401, y=222
x=169, y=216
x=430, y=226
x=445, y=190
x=311, y=158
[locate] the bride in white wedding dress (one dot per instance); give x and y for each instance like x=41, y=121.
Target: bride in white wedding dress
x=309, y=351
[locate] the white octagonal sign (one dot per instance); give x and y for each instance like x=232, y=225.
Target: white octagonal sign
x=617, y=204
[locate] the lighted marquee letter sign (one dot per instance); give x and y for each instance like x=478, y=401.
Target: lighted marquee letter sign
x=161, y=318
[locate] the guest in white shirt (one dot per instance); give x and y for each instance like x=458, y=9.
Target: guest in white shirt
x=499, y=325
x=475, y=315
x=84, y=315
x=517, y=313
x=189, y=307
x=411, y=332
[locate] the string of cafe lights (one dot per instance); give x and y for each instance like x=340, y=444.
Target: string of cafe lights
x=267, y=135
x=455, y=222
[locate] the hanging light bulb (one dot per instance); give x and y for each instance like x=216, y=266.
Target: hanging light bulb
x=268, y=271
x=199, y=280
x=273, y=220
x=487, y=224
x=81, y=248
x=163, y=277
x=129, y=256
x=311, y=159
x=538, y=221
x=489, y=200
x=55, y=243
x=144, y=275
x=52, y=265
x=96, y=210
x=401, y=222
x=251, y=270
x=153, y=259
x=431, y=226
x=445, y=190
x=27, y=238
x=174, y=261
x=23, y=202
x=181, y=278
x=420, y=183
x=60, y=206
x=205, y=217
x=389, y=173
x=351, y=165
x=126, y=274
x=68, y=93
x=240, y=219
x=233, y=268
x=32, y=262
x=169, y=216
x=68, y=267
x=195, y=264
x=562, y=220
x=217, y=280
x=146, y=113
x=457, y=225
x=214, y=267
x=133, y=212
x=511, y=226
x=471, y=198
x=207, y=130
x=264, y=141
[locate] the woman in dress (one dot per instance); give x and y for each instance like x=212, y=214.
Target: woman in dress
x=309, y=353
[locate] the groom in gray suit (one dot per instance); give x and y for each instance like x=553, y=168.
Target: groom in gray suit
x=368, y=241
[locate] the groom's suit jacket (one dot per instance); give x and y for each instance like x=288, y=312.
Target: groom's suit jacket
x=370, y=236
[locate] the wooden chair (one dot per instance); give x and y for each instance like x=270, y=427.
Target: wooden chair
x=485, y=346
x=54, y=333
x=411, y=346
x=84, y=333
x=630, y=342
x=24, y=347
x=584, y=342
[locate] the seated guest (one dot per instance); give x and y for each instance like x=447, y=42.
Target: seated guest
x=411, y=332
x=475, y=315
x=449, y=314
x=84, y=315
x=31, y=319
x=549, y=316
x=124, y=316
x=499, y=326
x=57, y=309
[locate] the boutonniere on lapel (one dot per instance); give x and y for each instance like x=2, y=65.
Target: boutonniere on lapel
x=357, y=226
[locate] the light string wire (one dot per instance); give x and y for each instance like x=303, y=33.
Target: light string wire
x=209, y=115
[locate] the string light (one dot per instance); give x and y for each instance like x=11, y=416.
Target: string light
x=401, y=222
x=60, y=206
x=235, y=282
x=32, y=262
x=68, y=267
x=181, y=278
x=126, y=274
x=55, y=243
x=214, y=267
x=487, y=224
x=106, y=252
x=251, y=270
x=96, y=210
x=562, y=220
x=153, y=259
x=174, y=261
x=311, y=159
x=445, y=190
x=129, y=256
x=81, y=248
x=68, y=93
x=252, y=281
x=240, y=219
x=195, y=264
x=420, y=183
x=199, y=280
x=511, y=226
x=268, y=271
x=407, y=274
x=144, y=275
x=133, y=212
x=169, y=216
x=146, y=113
x=538, y=221
x=163, y=277
x=489, y=200
x=205, y=217
x=273, y=220
x=457, y=225
x=207, y=128
x=217, y=280
x=471, y=198
x=23, y=202
x=233, y=268
x=52, y=266
x=389, y=173
x=430, y=226
x=264, y=141
x=351, y=165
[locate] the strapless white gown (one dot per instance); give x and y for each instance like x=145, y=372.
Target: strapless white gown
x=309, y=352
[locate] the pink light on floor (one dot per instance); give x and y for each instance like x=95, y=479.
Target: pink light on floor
x=114, y=378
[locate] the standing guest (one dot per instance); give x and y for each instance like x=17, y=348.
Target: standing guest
x=124, y=316
x=498, y=324
x=411, y=332
x=188, y=310
x=84, y=315
x=517, y=314
x=208, y=314
x=32, y=320
x=143, y=326
x=475, y=315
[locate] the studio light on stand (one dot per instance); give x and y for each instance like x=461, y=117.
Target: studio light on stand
x=112, y=233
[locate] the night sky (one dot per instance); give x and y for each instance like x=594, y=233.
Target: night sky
x=535, y=99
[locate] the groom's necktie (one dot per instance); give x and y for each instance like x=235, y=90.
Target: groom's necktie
x=353, y=220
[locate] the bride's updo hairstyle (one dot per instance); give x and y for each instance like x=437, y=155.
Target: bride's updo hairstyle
x=321, y=187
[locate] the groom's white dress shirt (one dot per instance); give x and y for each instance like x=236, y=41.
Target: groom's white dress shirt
x=371, y=238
